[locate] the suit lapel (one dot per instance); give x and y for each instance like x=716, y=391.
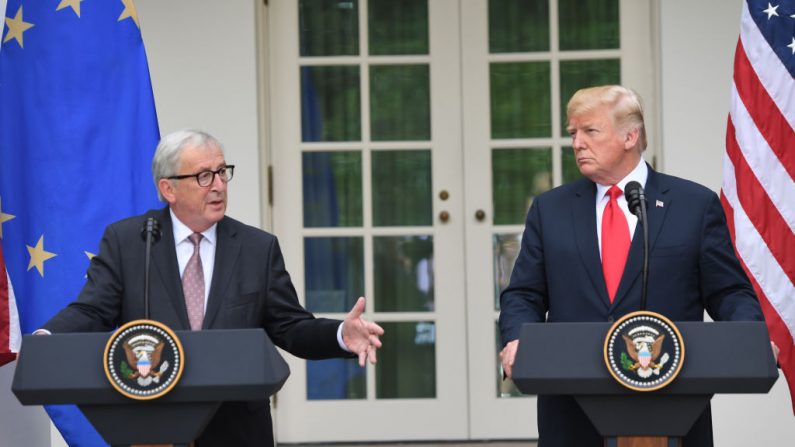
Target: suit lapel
x=227, y=250
x=655, y=194
x=659, y=204
x=584, y=224
x=164, y=259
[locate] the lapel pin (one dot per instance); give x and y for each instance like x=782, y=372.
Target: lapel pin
x=659, y=204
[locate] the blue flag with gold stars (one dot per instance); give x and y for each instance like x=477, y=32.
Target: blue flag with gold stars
x=77, y=133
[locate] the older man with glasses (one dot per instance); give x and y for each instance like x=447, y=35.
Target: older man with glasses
x=212, y=272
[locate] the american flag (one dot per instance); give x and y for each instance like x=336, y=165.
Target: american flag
x=758, y=192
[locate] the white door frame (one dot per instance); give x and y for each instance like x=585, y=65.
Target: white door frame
x=443, y=417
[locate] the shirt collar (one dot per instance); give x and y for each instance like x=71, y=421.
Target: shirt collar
x=181, y=231
x=640, y=174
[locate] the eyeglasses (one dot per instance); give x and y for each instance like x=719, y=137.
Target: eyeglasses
x=206, y=178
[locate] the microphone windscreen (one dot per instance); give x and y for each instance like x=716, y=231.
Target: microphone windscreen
x=633, y=192
x=151, y=226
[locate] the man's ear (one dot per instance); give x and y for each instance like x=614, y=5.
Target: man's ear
x=631, y=138
x=166, y=188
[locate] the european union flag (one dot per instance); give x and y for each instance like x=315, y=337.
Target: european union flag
x=77, y=133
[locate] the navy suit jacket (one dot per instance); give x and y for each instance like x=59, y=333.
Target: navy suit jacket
x=558, y=277
x=250, y=288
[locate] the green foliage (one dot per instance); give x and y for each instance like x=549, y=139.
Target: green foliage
x=126, y=371
x=626, y=363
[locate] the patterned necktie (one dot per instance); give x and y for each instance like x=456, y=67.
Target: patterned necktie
x=193, y=285
x=615, y=242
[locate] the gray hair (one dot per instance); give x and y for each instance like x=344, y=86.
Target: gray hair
x=624, y=102
x=165, y=163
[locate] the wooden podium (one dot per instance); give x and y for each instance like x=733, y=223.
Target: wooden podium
x=568, y=359
x=220, y=365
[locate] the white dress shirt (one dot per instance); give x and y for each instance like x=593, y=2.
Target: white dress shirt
x=639, y=174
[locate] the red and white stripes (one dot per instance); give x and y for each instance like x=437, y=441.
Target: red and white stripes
x=758, y=189
x=10, y=335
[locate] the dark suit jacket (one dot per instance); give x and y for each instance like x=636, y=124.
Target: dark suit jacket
x=558, y=277
x=250, y=288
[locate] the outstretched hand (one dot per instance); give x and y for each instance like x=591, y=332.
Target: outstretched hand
x=359, y=335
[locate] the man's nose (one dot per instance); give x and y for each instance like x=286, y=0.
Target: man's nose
x=577, y=140
x=218, y=183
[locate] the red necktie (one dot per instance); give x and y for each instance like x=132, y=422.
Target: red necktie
x=615, y=242
x=193, y=285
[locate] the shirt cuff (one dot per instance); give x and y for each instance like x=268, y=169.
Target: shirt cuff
x=339, y=338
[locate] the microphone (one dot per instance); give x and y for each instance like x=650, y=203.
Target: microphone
x=151, y=234
x=636, y=200
x=634, y=194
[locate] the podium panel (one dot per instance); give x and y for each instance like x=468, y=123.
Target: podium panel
x=568, y=359
x=220, y=365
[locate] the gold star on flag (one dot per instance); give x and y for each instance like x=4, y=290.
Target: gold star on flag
x=74, y=4
x=129, y=12
x=38, y=256
x=3, y=218
x=16, y=27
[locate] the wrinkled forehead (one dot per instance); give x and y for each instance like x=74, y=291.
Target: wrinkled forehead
x=205, y=156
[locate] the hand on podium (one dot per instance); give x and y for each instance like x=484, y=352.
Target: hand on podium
x=507, y=357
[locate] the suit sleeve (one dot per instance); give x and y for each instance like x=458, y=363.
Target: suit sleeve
x=525, y=300
x=98, y=306
x=290, y=326
x=725, y=288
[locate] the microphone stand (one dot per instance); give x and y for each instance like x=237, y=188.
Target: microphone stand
x=645, y=219
x=636, y=200
x=151, y=234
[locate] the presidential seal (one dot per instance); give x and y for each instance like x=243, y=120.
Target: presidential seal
x=143, y=359
x=644, y=351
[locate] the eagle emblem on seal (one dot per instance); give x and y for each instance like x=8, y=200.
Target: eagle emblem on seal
x=143, y=355
x=644, y=346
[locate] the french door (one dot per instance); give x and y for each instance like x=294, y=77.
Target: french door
x=407, y=139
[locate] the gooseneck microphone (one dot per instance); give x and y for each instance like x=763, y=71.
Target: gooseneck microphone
x=151, y=234
x=636, y=199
